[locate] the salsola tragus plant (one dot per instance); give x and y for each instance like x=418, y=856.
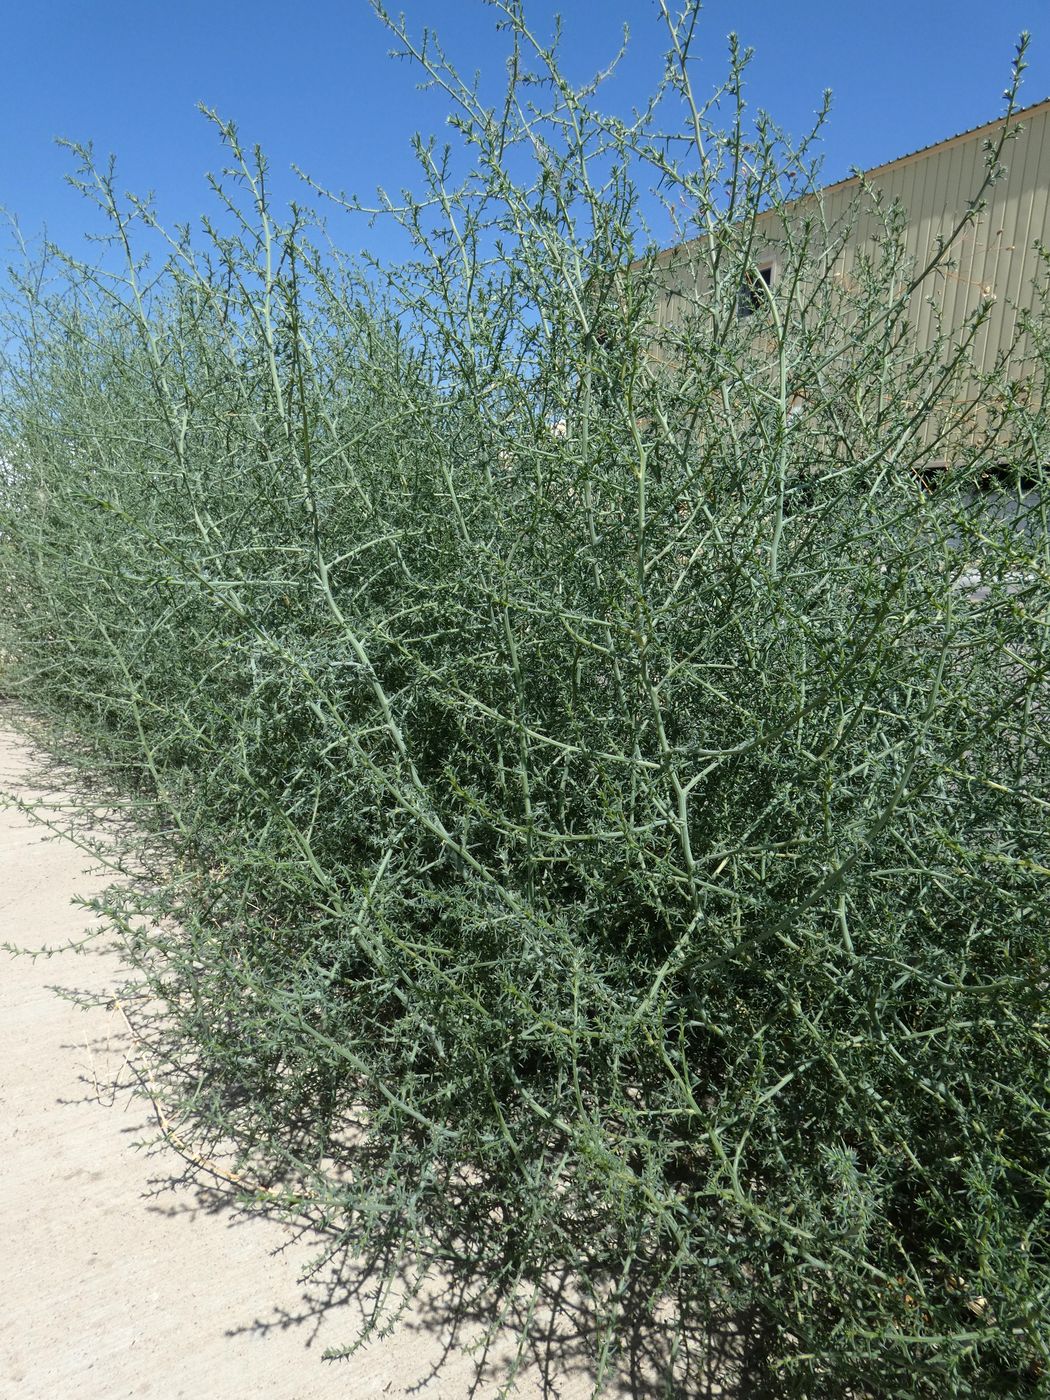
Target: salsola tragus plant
x=592, y=774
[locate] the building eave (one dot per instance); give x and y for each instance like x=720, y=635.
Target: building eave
x=875, y=171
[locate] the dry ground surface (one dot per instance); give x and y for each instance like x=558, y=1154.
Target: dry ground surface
x=124, y=1272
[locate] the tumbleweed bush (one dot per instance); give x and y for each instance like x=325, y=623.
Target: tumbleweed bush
x=591, y=773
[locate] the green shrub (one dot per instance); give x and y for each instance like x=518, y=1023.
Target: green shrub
x=593, y=824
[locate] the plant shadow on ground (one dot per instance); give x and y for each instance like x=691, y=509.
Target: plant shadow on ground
x=448, y=1304
x=547, y=1335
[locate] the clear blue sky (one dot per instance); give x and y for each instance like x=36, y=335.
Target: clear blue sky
x=312, y=83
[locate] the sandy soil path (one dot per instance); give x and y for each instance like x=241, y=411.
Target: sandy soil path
x=123, y=1277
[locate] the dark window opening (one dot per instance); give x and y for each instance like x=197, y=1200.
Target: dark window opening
x=752, y=294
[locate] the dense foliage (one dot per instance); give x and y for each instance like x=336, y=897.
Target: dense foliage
x=593, y=778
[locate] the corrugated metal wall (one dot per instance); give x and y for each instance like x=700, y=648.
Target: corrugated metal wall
x=995, y=256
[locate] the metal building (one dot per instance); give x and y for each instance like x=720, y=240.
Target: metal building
x=993, y=257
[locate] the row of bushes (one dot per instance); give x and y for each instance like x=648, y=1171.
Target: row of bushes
x=616, y=851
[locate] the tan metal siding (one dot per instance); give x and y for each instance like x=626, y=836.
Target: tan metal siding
x=995, y=256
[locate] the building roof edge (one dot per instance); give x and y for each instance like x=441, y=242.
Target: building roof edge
x=858, y=174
